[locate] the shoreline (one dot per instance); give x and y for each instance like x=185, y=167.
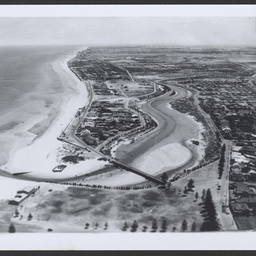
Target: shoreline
x=196, y=153
x=41, y=146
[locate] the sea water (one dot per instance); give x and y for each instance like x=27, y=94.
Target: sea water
x=31, y=90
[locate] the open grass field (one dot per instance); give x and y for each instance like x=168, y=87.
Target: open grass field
x=62, y=208
x=204, y=178
x=75, y=208
x=133, y=89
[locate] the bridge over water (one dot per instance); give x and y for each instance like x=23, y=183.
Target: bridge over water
x=77, y=142
x=136, y=171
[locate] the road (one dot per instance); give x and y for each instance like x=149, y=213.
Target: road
x=225, y=216
x=207, y=118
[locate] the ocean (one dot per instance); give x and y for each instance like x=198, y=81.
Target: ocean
x=31, y=90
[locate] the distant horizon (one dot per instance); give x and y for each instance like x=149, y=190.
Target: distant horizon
x=173, y=31
x=133, y=45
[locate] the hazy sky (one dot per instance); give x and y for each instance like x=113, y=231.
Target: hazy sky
x=174, y=31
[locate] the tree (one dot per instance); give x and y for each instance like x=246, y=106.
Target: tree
x=203, y=195
x=87, y=225
x=190, y=184
x=164, y=225
x=196, y=195
x=30, y=216
x=154, y=225
x=211, y=223
x=223, y=148
x=209, y=205
x=164, y=177
x=134, y=226
x=193, y=227
x=144, y=228
x=12, y=228
x=222, y=161
x=16, y=213
x=184, y=226
x=125, y=226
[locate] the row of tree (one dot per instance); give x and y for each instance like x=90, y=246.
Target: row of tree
x=222, y=161
x=184, y=226
x=96, y=225
x=188, y=171
x=107, y=187
x=209, y=213
x=154, y=227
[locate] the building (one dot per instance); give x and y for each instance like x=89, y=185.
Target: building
x=240, y=209
x=248, y=150
x=23, y=194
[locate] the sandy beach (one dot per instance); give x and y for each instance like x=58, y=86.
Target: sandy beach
x=37, y=153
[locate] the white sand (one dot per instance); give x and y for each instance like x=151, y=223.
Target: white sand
x=202, y=143
x=122, y=179
x=39, y=157
x=199, y=137
x=168, y=156
x=157, y=161
x=71, y=171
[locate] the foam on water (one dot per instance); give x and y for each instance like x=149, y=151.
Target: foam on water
x=31, y=90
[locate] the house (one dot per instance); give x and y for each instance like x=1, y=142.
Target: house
x=23, y=194
x=236, y=176
x=235, y=168
x=249, y=150
x=240, y=208
x=252, y=175
x=232, y=185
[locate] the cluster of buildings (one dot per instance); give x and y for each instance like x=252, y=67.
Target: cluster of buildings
x=231, y=104
x=242, y=179
x=103, y=89
x=242, y=199
x=106, y=119
x=97, y=70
